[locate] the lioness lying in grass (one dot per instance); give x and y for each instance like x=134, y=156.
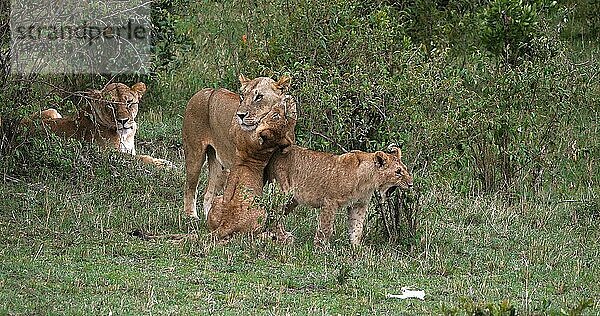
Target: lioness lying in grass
x=107, y=118
x=234, y=212
x=327, y=181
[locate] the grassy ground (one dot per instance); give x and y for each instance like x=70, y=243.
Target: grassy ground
x=67, y=247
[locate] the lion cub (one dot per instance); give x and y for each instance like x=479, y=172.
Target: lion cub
x=233, y=212
x=327, y=181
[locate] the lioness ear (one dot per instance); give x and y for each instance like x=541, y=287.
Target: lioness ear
x=94, y=94
x=379, y=159
x=283, y=84
x=140, y=88
x=243, y=81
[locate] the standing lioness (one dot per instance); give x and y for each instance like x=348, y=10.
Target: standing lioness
x=327, y=181
x=208, y=117
x=234, y=211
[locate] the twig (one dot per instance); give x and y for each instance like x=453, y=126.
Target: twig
x=330, y=140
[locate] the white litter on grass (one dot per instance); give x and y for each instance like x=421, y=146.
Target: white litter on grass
x=408, y=293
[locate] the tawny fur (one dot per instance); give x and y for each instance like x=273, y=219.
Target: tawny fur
x=107, y=119
x=208, y=117
x=234, y=211
x=327, y=181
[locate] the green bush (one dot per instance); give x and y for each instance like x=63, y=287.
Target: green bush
x=509, y=27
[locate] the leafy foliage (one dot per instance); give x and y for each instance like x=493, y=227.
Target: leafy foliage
x=509, y=27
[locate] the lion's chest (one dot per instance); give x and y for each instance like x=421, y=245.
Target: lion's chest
x=126, y=140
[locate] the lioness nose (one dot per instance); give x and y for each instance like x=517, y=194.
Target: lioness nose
x=123, y=121
x=242, y=116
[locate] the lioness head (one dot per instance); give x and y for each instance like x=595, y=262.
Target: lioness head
x=258, y=96
x=116, y=106
x=391, y=171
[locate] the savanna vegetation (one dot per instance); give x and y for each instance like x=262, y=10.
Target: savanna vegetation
x=496, y=104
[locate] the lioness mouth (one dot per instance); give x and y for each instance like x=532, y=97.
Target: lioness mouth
x=247, y=127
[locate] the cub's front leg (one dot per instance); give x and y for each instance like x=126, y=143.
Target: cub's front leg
x=356, y=221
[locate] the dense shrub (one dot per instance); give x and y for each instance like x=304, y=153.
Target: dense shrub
x=364, y=81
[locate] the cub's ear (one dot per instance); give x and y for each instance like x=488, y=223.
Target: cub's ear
x=288, y=140
x=395, y=150
x=265, y=135
x=283, y=84
x=380, y=159
x=290, y=107
x=244, y=82
x=139, y=88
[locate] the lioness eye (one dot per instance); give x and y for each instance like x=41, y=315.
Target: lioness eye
x=275, y=116
x=258, y=97
x=241, y=98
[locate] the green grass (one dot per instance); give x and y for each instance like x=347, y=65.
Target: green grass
x=67, y=248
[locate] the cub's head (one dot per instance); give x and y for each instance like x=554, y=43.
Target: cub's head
x=391, y=171
x=276, y=129
x=258, y=96
x=116, y=106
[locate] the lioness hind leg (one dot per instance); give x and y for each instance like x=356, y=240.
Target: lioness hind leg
x=216, y=179
x=356, y=221
x=194, y=159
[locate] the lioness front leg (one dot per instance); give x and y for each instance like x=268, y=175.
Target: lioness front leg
x=356, y=221
x=325, y=228
x=163, y=163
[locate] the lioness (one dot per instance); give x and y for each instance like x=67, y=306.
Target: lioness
x=107, y=118
x=208, y=118
x=233, y=212
x=327, y=181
